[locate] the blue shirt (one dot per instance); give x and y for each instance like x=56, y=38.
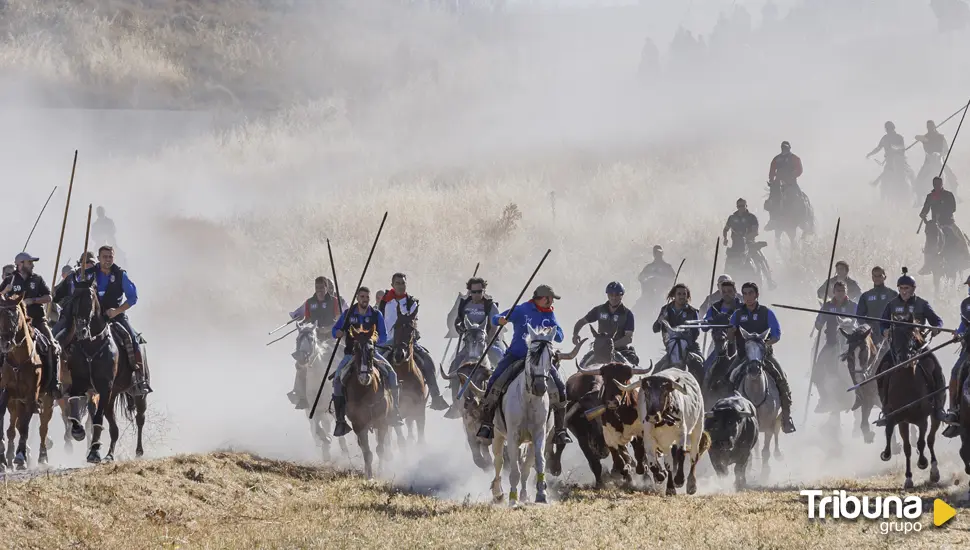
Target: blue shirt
x=772, y=321
x=367, y=320
x=527, y=315
x=726, y=309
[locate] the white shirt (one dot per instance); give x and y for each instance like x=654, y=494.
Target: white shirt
x=390, y=315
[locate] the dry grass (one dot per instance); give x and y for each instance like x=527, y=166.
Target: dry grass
x=231, y=500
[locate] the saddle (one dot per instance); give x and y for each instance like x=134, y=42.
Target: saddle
x=505, y=380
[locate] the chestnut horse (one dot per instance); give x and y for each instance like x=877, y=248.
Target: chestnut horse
x=414, y=391
x=368, y=401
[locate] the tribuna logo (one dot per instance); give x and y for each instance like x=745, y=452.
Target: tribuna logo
x=842, y=505
x=900, y=514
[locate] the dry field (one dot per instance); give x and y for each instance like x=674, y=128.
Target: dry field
x=234, y=500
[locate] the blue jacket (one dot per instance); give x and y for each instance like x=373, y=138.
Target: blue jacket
x=370, y=319
x=527, y=315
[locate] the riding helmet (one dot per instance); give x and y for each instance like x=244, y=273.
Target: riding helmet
x=615, y=288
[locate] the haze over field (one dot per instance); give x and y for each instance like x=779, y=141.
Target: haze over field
x=286, y=123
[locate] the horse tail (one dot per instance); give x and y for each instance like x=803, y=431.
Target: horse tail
x=125, y=404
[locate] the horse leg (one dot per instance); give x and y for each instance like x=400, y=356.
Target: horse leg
x=68, y=442
x=113, y=431
x=103, y=387
x=498, y=446
x=887, y=453
x=46, y=413
x=515, y=472
x=766, y=454
x=908, y=451
x=382, y=447
x=421, y=422
x=541, y=438
x=364, y=443
x=867, y=434
x=24, y=413
x=141, y=406
x=931, y=443
x=12, y=433
x=921, y=462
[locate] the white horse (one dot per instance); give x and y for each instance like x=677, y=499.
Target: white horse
x=311, y=354
x=756, y=386
x=524, y=419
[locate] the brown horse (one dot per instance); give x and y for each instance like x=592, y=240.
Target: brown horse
x=20, y=381
x=368, y=402
x=904, y=397
x=414, y=391
x=92, y=358
x=131, y=404
x=860, y=359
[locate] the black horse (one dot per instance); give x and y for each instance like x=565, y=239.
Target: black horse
x=92, y=360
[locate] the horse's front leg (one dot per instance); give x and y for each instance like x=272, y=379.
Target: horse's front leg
x=25, y=411
x=113, y=432
x=46, y=414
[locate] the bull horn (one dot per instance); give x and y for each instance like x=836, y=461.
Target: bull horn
x=647, y=370
x=590, y=371
x=572, y=355
x=628, y=387
x=444, y=375
x=479, y=392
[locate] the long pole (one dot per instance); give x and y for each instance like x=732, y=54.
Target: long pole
x=87, y=240
x=60, y=243
x=346, y=317
x=710, y=290
x=948, y=151
x=677, y=275
x=453, y=412
x=947, y=119
x=38, y=219
x=818, y=336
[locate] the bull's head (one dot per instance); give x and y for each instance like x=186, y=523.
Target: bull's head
x=725, y=422
x=613, y=395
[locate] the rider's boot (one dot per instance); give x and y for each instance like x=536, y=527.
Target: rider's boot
x=340, y=412
x=394, y=418
x=298, y=395
x=140, y=380
x=438, y=403
x=559, y=421
x=489, y=404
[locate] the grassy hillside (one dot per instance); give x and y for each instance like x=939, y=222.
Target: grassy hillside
x=231, y=500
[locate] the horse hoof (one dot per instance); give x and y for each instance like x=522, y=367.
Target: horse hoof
x=885, y=456
x=679, y=480
x=498, y=499
x=78, y=432
x=922, y=463
x=555, y=470
x=671, y=492
x=908, y=484
x=541, y=499
x=94, y=457
x=934, y=475
x=141, y=452
x=868, y=437
x=42, y=458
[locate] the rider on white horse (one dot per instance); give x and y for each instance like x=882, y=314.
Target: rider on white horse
x=322, y=310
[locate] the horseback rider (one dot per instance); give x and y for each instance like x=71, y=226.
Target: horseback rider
x=873, y=302
x=891, y=143
x=744, y=228
x=852, y=289
x=57, y=295
x=368, y=319
x=959, y=373
x=399, y=299
x=103, y=229
x=537, y=313
x=756, y=318
x=35, y=293
x=612, y=318
x=840, y=303
x=716, y=295
x=479, y=308
x=657, y=274
x=117, y=294
x=322, y=310
x=935, y=149
x=677, y=311
x=64, y=291
x=907, y=303
x=943, y=205
x=785, y=169
x=720, y=311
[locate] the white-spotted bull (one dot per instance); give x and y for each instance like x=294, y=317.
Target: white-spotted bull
x=595, y=392
x=524, y=419
x=671, y=408
x=732, y=425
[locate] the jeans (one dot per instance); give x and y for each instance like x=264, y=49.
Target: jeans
x=507, y=361
x=380, y=363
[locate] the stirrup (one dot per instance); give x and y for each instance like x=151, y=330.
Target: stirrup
x=485, y=432
x=562, y=437
x=881, y=421
x=951, y=431
x=341, y=429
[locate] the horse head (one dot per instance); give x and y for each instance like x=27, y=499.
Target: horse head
x=676, y=344
x=88, y=319
x=363, y=354
x=405, y=327
x=904, y=340
x=604, y=349
x=473, y=340
x=13, y=317
x=306, y=343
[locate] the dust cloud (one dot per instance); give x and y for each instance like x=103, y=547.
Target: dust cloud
x=443, y=120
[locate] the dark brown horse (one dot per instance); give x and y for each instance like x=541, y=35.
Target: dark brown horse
x=368, y=401
x=414, y=391
x=860, y=359
x=92, y=358
x=20, y=381
x=904, y=397
x=131, y=404
x=471, y=406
